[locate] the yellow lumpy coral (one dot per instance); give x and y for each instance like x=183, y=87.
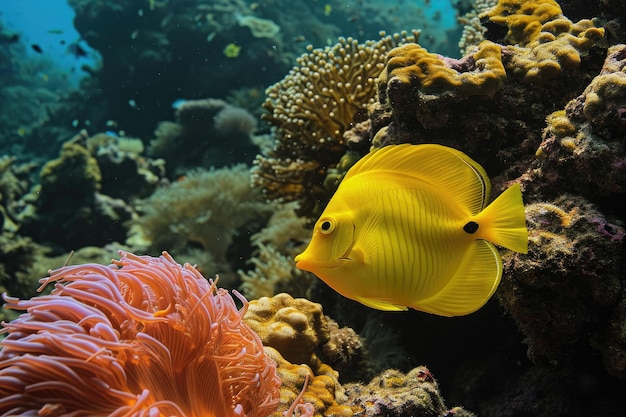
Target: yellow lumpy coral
x=294, y=327
x=429, y=72
x=323, y=392
x=542, y=41
x=293, y=330
x=524, y=18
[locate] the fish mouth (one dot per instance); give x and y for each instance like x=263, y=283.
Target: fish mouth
x=307, y=264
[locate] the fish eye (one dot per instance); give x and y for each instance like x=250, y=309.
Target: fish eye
x=327, y=226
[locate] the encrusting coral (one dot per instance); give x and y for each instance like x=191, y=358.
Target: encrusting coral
x=142, y=336
x=394, y=393
x=412, y=67
x=582, y=148
x=542, y=42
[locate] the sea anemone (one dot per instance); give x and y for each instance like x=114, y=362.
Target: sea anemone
x=143, y=336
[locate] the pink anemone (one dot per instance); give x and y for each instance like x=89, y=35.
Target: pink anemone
x=143, y=336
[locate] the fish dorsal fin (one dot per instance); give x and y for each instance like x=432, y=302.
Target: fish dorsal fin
x=475, y=281
x=446, y=169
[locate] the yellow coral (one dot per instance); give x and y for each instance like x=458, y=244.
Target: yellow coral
x=428, y=72
x=524, y=18
x=293, y=326
x=560, y=124
x=542, y=41
x=323, y=391
x=292, y=330
x=604, y=96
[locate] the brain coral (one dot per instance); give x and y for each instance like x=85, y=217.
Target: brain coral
x=294, y=327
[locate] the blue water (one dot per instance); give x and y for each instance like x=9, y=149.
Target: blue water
x=48, y=24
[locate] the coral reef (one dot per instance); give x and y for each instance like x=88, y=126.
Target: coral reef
x=543, y=108
x=311, y=109
x=536, y=97
x=143, y=335
x=557, y=301
x=275, y=246
x=394, y=393
x=69, y=211
x=205, y=209
x=542, y=42
x=219, y=133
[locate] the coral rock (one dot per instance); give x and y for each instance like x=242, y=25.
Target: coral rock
x=294, y=327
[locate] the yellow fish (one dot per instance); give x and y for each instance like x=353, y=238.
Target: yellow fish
x=409, y=226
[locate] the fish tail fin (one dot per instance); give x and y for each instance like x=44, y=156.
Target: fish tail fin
x=505, y=220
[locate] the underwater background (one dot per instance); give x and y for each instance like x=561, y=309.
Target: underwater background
x=219, y=130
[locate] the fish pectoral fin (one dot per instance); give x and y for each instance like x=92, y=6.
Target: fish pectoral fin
x=474, y=283
x=380, y=304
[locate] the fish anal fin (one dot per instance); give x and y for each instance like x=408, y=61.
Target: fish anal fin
x=380, y=304
x=475, y=281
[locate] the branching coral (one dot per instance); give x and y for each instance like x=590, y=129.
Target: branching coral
x=275, y=246
x=311, y=109
x=143, y=336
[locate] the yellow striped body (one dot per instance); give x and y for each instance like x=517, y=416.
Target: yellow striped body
x=399, y=232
